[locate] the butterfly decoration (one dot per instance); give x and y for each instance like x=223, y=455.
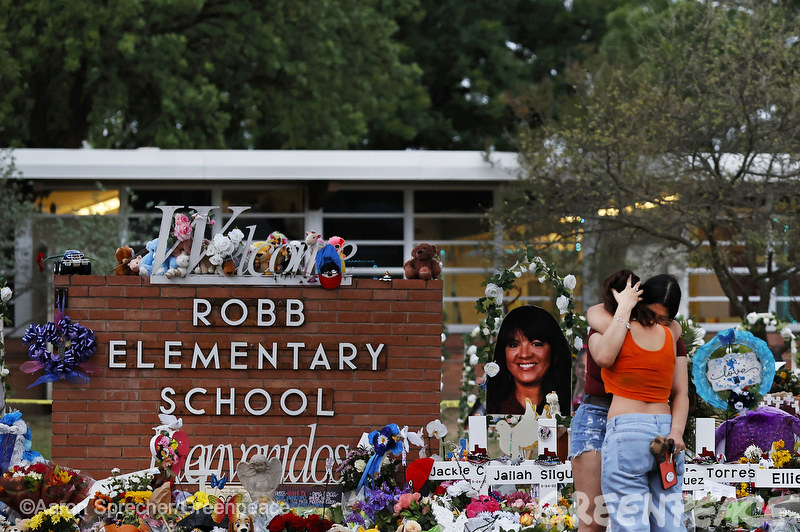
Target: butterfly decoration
x=218, y=482
x=227, y=508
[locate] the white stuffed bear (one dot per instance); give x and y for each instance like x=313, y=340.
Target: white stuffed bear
x=182, y=267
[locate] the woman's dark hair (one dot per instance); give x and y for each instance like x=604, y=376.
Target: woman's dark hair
x=535, y=323
x=665, y=290
x=618, y=281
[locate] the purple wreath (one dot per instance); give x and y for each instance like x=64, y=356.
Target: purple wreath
x=72, y=343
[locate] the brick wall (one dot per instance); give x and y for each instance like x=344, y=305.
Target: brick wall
x=110, y=422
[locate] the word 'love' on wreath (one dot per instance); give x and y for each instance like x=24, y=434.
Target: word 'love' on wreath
x=733, y=370
x=479, y=344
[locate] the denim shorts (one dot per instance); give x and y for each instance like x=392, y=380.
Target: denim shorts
x=587, y=429
x=631, y=480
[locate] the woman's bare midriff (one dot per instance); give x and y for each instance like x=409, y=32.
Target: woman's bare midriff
x=623, y=405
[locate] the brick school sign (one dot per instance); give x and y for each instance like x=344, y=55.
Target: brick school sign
x=293, y=372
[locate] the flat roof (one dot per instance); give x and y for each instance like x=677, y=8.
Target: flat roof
x=275, y=165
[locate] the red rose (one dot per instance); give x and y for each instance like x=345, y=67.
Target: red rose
x=295, y=522
x=277, y=524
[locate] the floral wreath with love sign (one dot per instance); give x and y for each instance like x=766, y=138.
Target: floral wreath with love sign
x=739, y=398
x=479, y=345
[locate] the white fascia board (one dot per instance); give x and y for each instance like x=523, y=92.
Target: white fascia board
x=274, y=165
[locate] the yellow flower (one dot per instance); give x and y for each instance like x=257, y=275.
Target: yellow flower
x=741, y=489
x=778, y=445
x=62, y=476
x=362, y=529
x=36, y=521
x=526, y=519
x=199, y=500
x=570, y=521
x=780, y=458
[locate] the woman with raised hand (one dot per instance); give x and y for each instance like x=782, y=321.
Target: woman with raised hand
x=636, y=348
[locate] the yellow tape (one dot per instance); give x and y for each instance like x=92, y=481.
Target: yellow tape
x=31, y=401
x=449, y=403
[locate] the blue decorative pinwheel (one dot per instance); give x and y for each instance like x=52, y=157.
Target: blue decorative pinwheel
x=386, y=440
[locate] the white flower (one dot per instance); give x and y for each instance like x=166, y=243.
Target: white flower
x=578, y=343
x=223, y=244
x=409, y=526
x=752, y=318
x=359, y=465
x=542, y=279
x=475, y=332
x=216, y=260
x=4, y=372
x=5, y=294
x=562, y=303
x=786, y=332
x=570, y=282
x=491, y=369
x=517, y=274
x=116, y=471
x=486, y=331
x=236, y=236
x=472, y=350
x=471, y=400
x=436, y=429
x=506, y=525
x=753, y=453
x=211, y=250
x=473, y=359
x=459, y=488
x=494, y=292
x=444, y=337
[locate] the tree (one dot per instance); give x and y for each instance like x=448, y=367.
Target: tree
x=690, y=143
x=201, y=73
x=483, y=60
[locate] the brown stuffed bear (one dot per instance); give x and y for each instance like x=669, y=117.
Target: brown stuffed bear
x=424, y=264
x=124, y=256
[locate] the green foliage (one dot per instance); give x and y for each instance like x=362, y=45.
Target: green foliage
x=690, y=143
x=201, y=73
x=487, y=64
x=16, y=208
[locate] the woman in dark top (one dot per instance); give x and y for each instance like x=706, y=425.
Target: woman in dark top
x=534, y=360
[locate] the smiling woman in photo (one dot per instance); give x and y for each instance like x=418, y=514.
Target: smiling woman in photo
x=534, y=360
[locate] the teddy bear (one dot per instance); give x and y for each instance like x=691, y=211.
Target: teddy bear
x=124, y=255
x=424, y=263
x=146, y=268
x=182, y=267
x=135, y=264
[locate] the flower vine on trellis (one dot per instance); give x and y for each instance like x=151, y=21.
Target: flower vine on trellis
x=479, y=344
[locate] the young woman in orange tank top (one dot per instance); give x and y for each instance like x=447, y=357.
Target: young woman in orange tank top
x=650, y=389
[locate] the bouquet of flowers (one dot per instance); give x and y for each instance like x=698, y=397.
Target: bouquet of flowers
x=22, y=483
x=291, y=522
x=57, y=485
x=54, y=519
